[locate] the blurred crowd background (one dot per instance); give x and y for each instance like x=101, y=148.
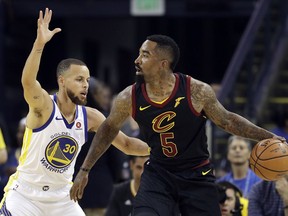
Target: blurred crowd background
x=107, y=37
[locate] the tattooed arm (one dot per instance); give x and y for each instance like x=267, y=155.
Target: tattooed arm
x=106, y=133
x=204, y=99
x=128, y=145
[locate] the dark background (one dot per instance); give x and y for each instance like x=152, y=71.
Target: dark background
x=105, y=36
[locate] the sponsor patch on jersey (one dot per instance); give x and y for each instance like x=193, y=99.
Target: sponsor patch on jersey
x=45, y=188
x=78, y=125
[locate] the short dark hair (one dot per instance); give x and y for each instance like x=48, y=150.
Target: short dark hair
x=229, y=185
x=222, y=187
x=65, y=64
x=167, y=44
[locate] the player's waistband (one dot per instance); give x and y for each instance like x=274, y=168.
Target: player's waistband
x=203, y=163
x=179, y=166
x=42, y=187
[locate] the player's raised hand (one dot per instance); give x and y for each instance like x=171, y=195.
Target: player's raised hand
x=43, y=32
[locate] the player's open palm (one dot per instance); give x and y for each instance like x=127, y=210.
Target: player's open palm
x=43, y=32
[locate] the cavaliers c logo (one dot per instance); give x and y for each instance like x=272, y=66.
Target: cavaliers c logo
x=61, y=151
x=161, y=122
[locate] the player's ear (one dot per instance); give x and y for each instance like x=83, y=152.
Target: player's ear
x=165, y=64
x=60, y=80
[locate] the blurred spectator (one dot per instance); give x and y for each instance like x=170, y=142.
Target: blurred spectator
x=100, y=96
x=107, y=171
x=3, y=141
x=12, y=156
x=269, y=198
x=15, y=151
x=3, y=149
x=241, y=175
x=280, y=118
x=230, y=199
x=121, y=200
x=3, y=159
x=130, y=128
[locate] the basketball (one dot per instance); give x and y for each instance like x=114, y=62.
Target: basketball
x=269, y=159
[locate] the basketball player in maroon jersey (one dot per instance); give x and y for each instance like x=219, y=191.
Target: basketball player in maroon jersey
x=171, y=110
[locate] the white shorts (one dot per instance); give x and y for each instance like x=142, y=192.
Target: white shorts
x=22, y=200
x=19, y=205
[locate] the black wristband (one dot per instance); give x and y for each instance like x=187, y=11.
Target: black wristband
x=84, y=169
x=286, y=207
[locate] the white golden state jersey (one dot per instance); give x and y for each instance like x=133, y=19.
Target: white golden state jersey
x=49, y=153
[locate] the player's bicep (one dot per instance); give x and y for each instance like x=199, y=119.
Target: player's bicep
x=214, y=110
x=34, y=95
x=121, y=108
x=120, y=111
x=95, y=119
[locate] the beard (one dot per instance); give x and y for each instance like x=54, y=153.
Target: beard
x=139, y=79
x=75, y=99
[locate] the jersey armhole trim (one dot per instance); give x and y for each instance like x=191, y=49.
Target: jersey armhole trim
x=48, y=121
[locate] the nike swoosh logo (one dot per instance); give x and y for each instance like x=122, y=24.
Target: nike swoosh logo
x=206, y=172
x=58, y=118
x=143, y=108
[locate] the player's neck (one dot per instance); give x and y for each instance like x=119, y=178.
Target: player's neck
x=158, y=81
x=161, y=88
x=239, y=171
x=66, y=106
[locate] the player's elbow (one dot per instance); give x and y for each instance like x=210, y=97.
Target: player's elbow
x=131, y=148
x=138, y=148
x=26, y=82
x=127, y=148
x=123, y=146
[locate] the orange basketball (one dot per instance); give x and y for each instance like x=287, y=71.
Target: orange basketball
x=269, y=159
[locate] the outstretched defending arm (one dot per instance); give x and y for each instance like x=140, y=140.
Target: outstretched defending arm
x=106, y=133
x=35, y=96
x=128, y=145
x=32, y=88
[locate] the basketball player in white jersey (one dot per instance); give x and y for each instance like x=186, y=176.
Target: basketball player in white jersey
x=56, y=128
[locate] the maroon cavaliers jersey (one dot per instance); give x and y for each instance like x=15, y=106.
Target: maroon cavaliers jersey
x=174, y=130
